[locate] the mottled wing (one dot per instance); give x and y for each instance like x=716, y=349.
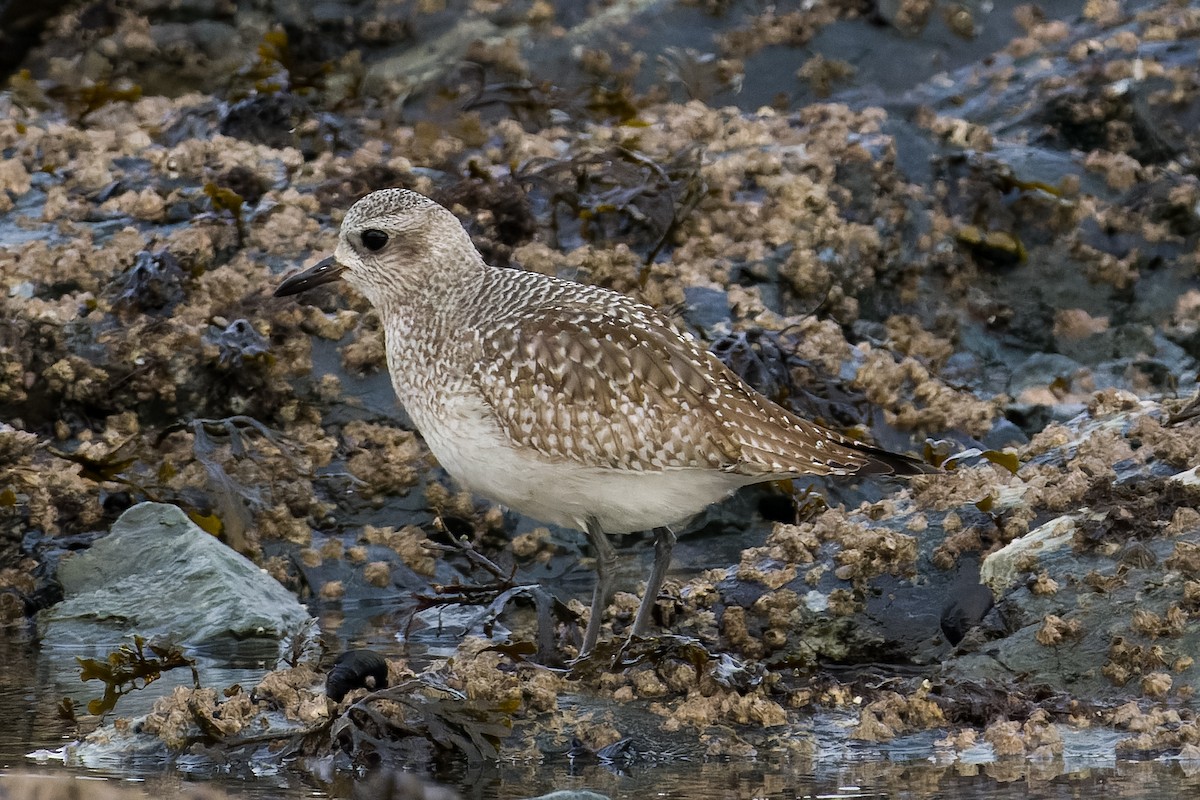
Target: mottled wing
x=623, y=389
x=776, y=442
x=595, y=391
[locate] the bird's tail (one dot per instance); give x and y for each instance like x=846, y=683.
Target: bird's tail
x=885, y=462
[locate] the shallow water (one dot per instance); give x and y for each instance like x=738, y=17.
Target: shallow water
x=34, y=682
x=872, y=777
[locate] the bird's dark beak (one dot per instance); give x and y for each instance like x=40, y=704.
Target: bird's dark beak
x=324, y=271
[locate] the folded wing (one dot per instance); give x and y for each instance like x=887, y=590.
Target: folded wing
x=622, y=389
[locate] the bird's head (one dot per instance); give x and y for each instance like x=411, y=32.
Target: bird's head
x=393, y=244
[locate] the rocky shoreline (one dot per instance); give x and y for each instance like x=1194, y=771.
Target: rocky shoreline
x=997, y=259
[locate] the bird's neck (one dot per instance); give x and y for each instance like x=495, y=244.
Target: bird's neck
x=427, y=327
x=444, y=287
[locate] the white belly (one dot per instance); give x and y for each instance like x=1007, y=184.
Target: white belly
x=475, y=452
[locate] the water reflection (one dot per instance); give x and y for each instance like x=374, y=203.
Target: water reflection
x=741, y=780
x=32, y=683
x=28, y=717
x=750, y=780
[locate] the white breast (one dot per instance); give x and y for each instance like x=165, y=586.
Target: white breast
x=471, y=447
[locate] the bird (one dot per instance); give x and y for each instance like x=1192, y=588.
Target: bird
x=569, y=403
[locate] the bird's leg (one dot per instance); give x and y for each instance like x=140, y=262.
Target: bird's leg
x=606, y=562
x=664, y=540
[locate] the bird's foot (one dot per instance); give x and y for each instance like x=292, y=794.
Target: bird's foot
x=619, y=655
x=640, y=649
x=592, y=664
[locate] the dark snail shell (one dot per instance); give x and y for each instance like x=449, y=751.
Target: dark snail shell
x=356, y=669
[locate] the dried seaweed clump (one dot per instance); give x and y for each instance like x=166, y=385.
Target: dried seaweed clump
x=190, y=715
x=41, y=492
x=893, y=714
x=384, y=458
x=934, y=406
x=867, y=552
x=409, y=542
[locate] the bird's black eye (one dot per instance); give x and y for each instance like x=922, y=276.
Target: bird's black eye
x=373, y=239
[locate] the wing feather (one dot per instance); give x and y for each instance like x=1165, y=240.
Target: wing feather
x=621, y=388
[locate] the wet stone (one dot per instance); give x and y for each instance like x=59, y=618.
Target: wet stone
x=159, y=575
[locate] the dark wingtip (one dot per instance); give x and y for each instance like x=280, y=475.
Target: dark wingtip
x=885, y=462
x=324, y=271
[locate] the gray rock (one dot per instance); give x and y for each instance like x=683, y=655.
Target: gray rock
x=1040, y=370
x=1002, y=569
x=1121, y=341
x=707, y=308
x=418, y=67
x=1004, y=434
x=1090, y=602
x=157, y=574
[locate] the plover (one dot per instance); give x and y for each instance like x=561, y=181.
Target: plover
x=572, y=404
